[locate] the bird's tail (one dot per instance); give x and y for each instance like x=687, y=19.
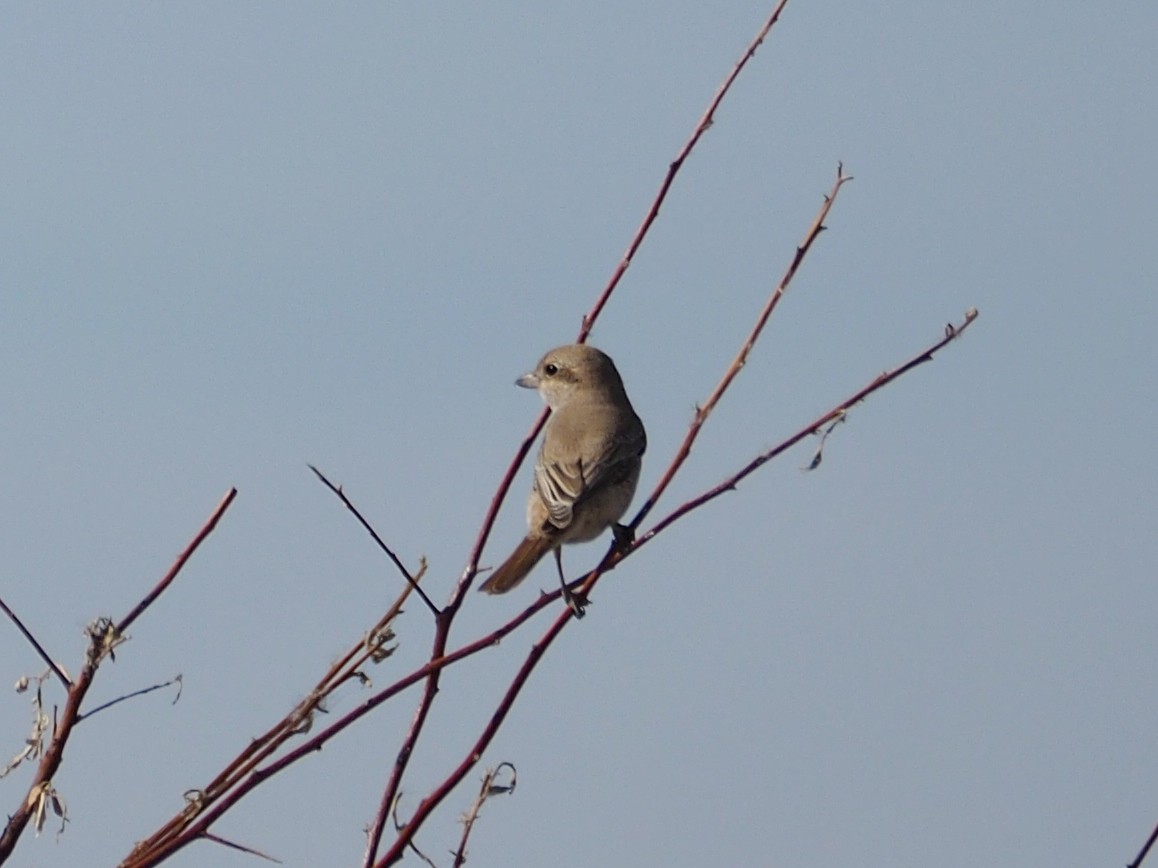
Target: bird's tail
x=515, y=568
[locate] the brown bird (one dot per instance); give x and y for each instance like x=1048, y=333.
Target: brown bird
x=588, y=464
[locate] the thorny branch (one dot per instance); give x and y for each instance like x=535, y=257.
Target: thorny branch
x=1145, y=849
x=613, y=556
x=442, y=631
x=176, y=679
x=741, y=358
x=244, y=772
x=102, y=641
x=489, y=788
x=258, y=761
x=702, y=127
x=410, y=580
x=56, y=670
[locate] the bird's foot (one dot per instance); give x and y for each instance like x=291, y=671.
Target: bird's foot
x=576, y=601
x=624, y=536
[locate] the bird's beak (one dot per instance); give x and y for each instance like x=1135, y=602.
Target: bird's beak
x=528, y=381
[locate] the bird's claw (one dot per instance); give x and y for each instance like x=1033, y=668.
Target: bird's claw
x=577, y=602
x=624, y=535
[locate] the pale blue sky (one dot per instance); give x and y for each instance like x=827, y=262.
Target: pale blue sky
x=238, y=239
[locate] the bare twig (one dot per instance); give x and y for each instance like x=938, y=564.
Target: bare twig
x=182, y=558
x=471, y=570
x=175, y=680
x=839, y=411
x=185, y=828
x=705, y=122
x=337, y=490
x=398, y=825
x=1137, y=863
x=741, y=358
x=100, y=644
x=56, y=670
x=486, y=790
x=242, y=774
x=428, y=804
x=615, y=554
x=402, y=757
x=217, y=839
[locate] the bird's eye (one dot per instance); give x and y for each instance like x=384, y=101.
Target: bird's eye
x=550, y=370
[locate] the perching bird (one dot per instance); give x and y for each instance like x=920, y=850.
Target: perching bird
x=588, y=465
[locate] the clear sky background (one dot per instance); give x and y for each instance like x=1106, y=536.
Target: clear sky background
x=241, y=238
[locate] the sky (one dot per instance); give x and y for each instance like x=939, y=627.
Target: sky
x=239, y=239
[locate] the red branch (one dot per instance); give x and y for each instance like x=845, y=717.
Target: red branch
x=35, y=643
x=741, y=358
x=178, y=564
x=444, y=621
x=614, y=555
x=50, y=762
x=248, y=772
x=672, y=170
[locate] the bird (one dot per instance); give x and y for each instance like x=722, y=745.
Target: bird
x=588, y=464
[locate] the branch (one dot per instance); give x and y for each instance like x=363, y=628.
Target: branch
x=337, y=489
x=177, y=679
x=243, y=774
x=471, y=570
x=182, y=558
x=839, y=411
x=242, y=848
x=702, y=127
x=1145, y=849
x=592, y=315
x=614, y=555
x=102, y=640
x=741, y=358
x=57, y=671
x=489, y=788
x=432, y=801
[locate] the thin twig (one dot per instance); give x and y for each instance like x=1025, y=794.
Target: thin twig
x=57, y=671
x=741, y=358
x=840, y=410
x=182, y=558
x=673, y=169
x=237, y=778
x=337, y=490
x=588, y=323
x=1145, y=849
x=428, y=804
x=471, y=570
x=183, y=829
x=398, y=825
x=176, y=680
x=99, y=645
x=402, y=757
x=614, y=555
x=235, y=846
x=486, y=790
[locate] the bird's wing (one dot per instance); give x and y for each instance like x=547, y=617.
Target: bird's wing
x=562, y=483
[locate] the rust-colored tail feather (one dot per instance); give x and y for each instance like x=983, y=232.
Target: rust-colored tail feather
x=515, y=568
